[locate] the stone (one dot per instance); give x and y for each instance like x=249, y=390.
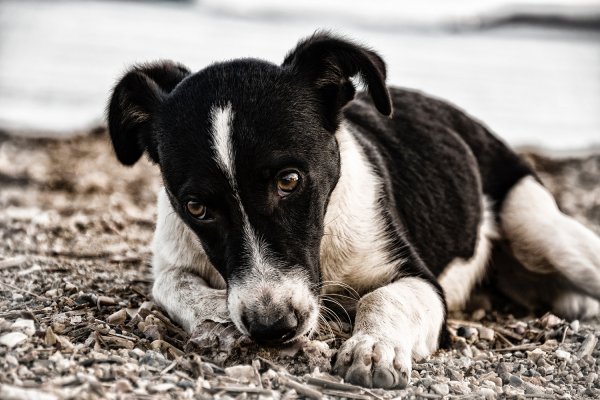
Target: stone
x=550, y=320
x=123, y=386
x=563, y=355
x=531, y=389
x=467, y=332
x=515, y=381
x=574, y=326
x=243, y=373
x=460, y=388
x=12, y=339
x=441, y=388
x=535, y=355
x=486, y=333
x=487, y=393
x=27, y=326
x=478, y=314
x=117, y=318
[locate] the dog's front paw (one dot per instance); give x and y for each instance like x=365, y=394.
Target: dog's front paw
x=372, y=361
x=210, y=335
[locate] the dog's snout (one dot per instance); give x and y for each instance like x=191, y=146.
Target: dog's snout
x=272, y=327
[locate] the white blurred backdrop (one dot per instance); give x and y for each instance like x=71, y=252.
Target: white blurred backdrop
x=529, y=70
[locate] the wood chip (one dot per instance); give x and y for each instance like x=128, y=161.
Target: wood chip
x=588, y=346
x=13, y=262
x=302, y=389
x=117, y=318
x=50, y=338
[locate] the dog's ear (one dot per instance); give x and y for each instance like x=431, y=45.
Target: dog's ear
x=328, y=62
x=134, y=101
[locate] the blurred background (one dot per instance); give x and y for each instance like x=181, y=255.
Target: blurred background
x=530, y=69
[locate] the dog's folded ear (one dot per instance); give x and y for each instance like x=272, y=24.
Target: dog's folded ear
x=328, y=62
x=134, y=101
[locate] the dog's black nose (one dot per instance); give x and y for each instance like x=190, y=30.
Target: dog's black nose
x=270, y=329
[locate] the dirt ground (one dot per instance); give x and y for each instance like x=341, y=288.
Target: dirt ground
x=77, y=321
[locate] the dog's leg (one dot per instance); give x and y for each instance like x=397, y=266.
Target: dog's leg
x=393, y=324
x=186, y=285
x=188, y=299
x=545, y=240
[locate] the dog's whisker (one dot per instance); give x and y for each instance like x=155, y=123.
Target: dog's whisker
x=342, y=285
x=342, y=308
x=324, y=323
x=330, y=313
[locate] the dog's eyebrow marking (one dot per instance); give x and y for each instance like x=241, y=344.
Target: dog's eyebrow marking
x=221, y=119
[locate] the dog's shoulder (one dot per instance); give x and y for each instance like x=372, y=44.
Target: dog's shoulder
x=430, y=174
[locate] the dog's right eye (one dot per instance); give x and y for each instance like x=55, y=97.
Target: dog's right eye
x=197, y=210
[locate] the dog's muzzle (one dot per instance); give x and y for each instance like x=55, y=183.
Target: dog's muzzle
x=273, y=312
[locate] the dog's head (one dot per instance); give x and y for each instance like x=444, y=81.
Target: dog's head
x=249, y=159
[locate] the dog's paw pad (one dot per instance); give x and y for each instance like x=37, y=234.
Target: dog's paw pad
x=369, y=361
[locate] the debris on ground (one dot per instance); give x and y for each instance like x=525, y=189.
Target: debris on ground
x=77, y=320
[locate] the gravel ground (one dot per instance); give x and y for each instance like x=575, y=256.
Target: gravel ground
x=76, y=320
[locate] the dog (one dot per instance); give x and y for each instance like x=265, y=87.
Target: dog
x=283, y=187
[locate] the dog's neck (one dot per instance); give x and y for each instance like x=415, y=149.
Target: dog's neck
x=353, y=240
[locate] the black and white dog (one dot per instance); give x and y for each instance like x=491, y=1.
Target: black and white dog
x=281, y=185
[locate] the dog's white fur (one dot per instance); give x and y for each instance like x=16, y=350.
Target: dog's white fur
x=460, y=276
x=354, y=240
x=186, y=284
x=394, y=324
x=401, y=319
x=545, y=240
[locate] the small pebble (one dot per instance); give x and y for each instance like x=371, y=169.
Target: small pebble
x=243, y=373
x=515, y=381
x=12, y=339
x=487, y=393
x=117, y=318
x=441, y=388
x=123, y=386
x=478, y=314
x=551, y=320
x=486, y=334
x=467, y=332
x=27, y=326
x=574, y=326
x=535, y=355
x=563, y=355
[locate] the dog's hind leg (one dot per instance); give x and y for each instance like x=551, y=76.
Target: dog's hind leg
x=545, y=240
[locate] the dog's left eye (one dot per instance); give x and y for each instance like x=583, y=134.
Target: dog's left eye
x=197, y=210
x=287, y=182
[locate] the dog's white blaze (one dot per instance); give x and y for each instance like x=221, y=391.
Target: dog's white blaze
x=221, y=119
x=460, y=276
x=263, y=277
x=544, y=239
x=354, y=240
